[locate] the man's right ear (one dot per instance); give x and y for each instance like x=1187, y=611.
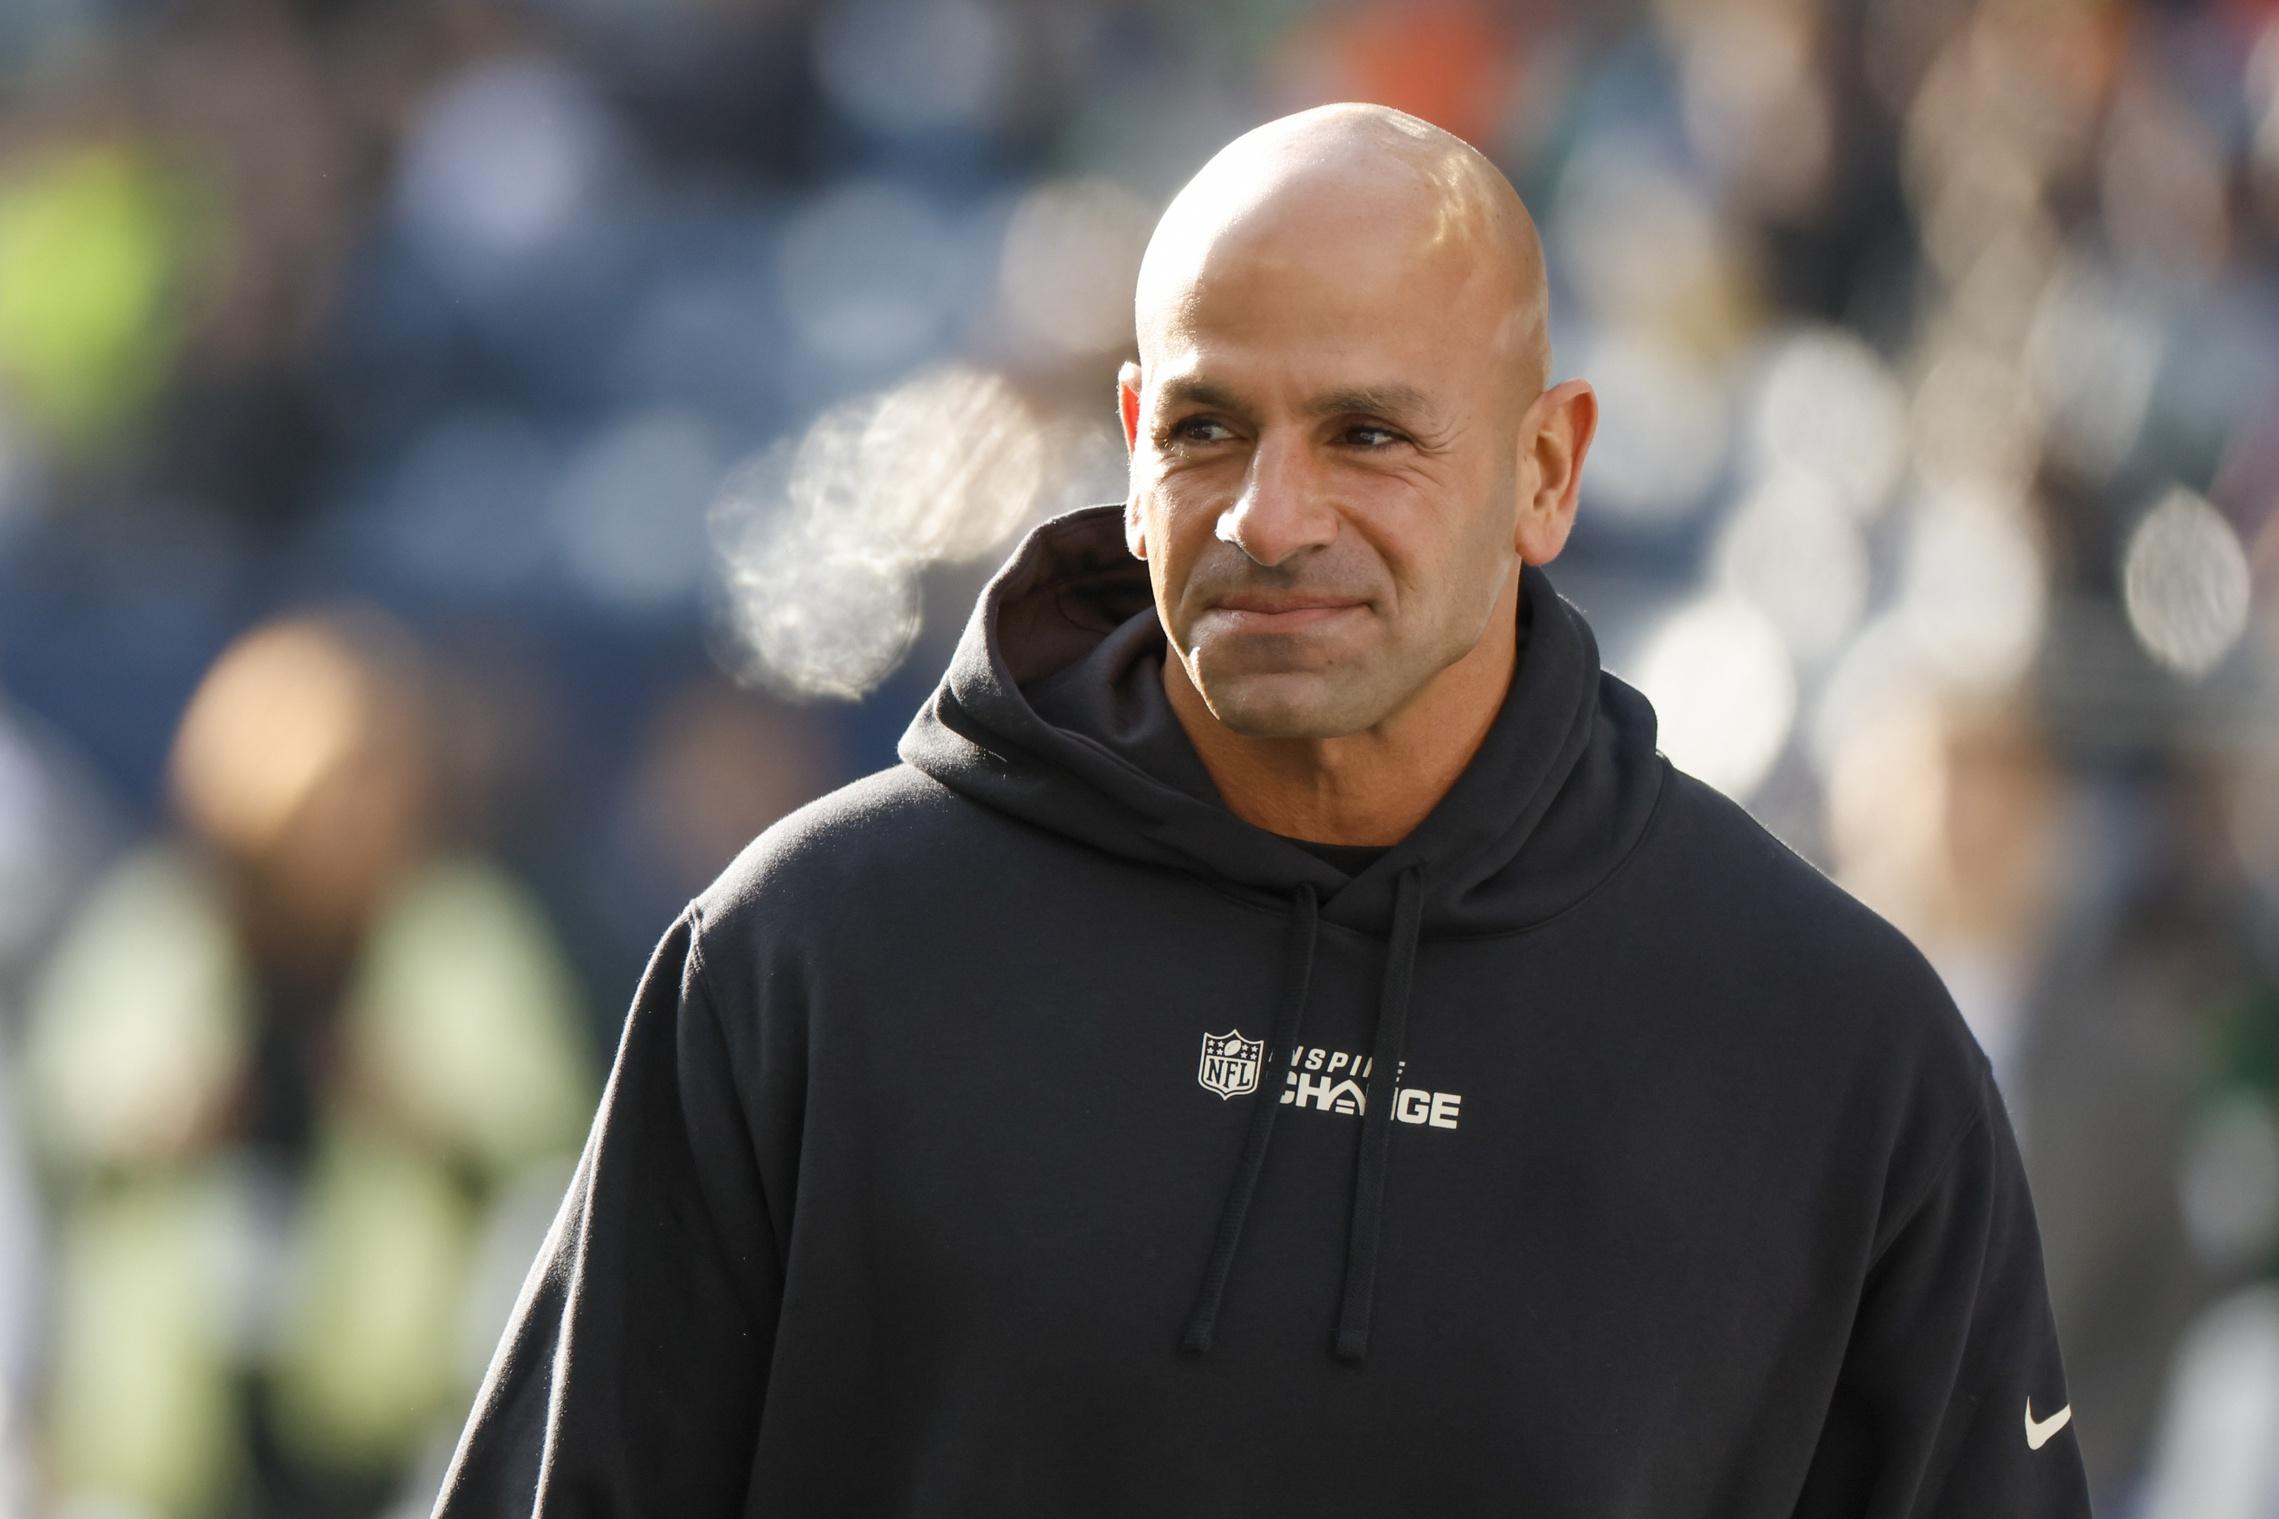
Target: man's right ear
x=1127, y=412
x=1127, y=403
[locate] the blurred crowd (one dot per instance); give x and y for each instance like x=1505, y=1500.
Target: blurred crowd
x=465, y=466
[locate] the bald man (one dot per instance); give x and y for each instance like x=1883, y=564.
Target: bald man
x=1283, y=1041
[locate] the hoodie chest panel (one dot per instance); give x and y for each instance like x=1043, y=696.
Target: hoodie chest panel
x=1021, y=1134
x=1038, y=1165
x=1628, y=1232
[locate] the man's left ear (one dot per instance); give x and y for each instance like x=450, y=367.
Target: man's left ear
x=1565, y=419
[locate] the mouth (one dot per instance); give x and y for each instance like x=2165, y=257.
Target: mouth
x=1279, y=614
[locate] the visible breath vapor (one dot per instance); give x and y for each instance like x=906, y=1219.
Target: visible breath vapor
x=821, y=539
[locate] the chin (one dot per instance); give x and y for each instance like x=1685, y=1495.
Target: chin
x=1289, y=706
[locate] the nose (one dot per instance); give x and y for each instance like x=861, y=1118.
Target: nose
x=1282, y=510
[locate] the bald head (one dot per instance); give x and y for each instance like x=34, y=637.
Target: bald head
x=1341, y=444
x=1375, y=195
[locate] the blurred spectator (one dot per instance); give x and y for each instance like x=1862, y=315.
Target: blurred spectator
x=2149, y=1004
x=278, y=1069
x=1948, y=815
x=2153, y=1086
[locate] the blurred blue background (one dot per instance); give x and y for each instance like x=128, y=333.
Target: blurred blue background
x=465, y=467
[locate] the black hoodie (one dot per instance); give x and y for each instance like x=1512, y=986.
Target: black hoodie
x=1017, y=1132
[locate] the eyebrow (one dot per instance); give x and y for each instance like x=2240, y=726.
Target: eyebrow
x=1389, y=400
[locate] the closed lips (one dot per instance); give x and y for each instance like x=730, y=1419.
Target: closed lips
x=1282, y=612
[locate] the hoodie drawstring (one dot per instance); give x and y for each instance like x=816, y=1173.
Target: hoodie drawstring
x=1377, y=1117
x=1298, y=969
x=1388, y=1044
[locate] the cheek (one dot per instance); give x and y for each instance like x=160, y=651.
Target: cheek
x=1167, y=528
x=1192, y=490
x=1485, y=562
x=1447, y=580
x=1181, y=517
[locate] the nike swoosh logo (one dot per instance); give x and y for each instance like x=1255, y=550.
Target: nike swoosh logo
x=2037, y=1435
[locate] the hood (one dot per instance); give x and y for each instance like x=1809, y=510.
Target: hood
x=1053, y=711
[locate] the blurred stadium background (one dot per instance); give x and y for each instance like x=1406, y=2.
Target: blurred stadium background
x=464, y=467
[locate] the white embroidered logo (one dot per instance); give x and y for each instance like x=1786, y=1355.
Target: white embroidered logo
x=1331, y=1081
x=1230, y=1063
x=2037, y=1435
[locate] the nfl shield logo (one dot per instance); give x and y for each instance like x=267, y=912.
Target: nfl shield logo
x=1230, y=1063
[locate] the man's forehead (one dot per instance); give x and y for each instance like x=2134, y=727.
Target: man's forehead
x=1196, y=384
x=1285, y=335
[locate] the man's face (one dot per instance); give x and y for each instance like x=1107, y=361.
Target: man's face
x=1324, y=473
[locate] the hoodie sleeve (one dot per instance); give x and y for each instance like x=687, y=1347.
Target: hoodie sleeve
x=1951, y=1400
x=630, y=1376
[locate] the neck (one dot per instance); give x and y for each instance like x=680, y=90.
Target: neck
x=1371, y=787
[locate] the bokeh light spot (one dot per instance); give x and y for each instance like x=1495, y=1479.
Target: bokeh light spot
x=2184, y=580
x=1723, y=689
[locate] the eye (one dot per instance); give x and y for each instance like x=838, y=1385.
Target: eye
x=1368, y=435
x=1199, y=430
